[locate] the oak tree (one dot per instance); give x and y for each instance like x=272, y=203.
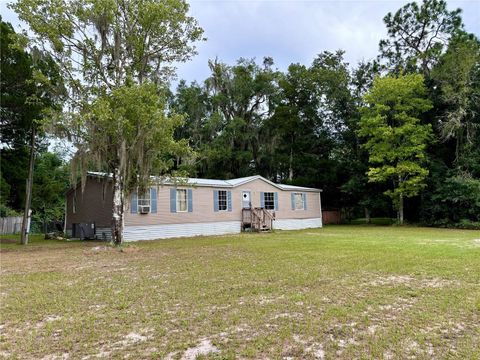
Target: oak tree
x=115, y=55
x=395, y=138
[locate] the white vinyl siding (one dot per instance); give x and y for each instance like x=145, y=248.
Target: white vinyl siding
x=297, y=224
x=152, y=232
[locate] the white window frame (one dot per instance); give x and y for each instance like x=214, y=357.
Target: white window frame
x=265, y=200
x=226, y=200
x=144, y=200
x=302, y=195
x=178, y=200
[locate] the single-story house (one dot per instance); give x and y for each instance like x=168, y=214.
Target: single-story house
x=197, y=207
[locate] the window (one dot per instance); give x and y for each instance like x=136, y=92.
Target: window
x=222, y=200
x=74, y=202
x=143, y=201
x=298, y=201
x=269, y=200
x=181, y=200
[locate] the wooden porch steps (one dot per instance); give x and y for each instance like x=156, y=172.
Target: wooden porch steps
x=257, y=219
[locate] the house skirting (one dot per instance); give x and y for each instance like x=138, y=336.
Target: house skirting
x=165, y=231
x=151, y=232
x=103, y=233
x=297, y=224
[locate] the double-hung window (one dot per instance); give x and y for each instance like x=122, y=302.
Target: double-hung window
x=222, y=200
x=299, y=201
x=269, y=200
x=182, y=200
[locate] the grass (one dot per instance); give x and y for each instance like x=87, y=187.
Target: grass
x=11, y=241
x=338, y=292
x=374, y=221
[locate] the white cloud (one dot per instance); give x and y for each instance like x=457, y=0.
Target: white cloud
x=290, y=31
x=295, y=31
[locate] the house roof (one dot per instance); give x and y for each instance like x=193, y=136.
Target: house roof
x=221, y=183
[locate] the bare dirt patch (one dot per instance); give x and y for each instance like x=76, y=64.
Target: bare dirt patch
x=203, y=348
x=394, y=280
x=8, y=241
x=48, y=319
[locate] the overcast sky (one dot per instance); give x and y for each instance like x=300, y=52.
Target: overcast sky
x=289, y=31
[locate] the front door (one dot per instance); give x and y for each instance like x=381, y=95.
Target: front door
x=246, y=204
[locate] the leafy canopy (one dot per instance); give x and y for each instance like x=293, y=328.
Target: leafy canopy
x=395, y=138
x=114, y=55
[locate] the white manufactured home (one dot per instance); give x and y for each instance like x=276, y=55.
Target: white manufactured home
x=197, y=207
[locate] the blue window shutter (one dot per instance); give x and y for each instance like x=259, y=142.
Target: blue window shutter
x=190, y=200
x=173, y=200
x=133, y=203
x=262, y=200
x=304, y=201
x=293, y=200
x=215, y=200
x=229, y=200
x=153, y=200
x=275, y=198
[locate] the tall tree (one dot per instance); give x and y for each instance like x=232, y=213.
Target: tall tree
x=457, y=80
x=292, y=123
x=418, y=35
x=242, y=98
x=356, y=190
x=50, y=180
x=115, y=55
x=30, y=85
x=311, y=125
x=395, y=138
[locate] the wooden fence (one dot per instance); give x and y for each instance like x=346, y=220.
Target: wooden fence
x=331, y=217
x=11, y=224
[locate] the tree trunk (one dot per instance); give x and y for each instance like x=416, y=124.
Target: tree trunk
x=290, y=167
x=28, y=192
x=367, y=216
x=118, y=207
x=400, y=210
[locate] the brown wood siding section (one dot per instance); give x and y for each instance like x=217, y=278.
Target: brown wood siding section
x=90, y=204
x=203, y=210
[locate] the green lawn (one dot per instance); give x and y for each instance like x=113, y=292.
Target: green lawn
x=338, y=292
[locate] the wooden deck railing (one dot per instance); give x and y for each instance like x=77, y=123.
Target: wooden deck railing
x=257, y=219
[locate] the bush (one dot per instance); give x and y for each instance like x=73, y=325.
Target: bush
x=467, y=224
x=6, y=211
x=455, y=202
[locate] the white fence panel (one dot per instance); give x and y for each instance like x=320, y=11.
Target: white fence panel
x=11, y=225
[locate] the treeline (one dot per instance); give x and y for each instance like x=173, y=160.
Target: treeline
x=23, y=103
x=394, y=136
x=309, y=125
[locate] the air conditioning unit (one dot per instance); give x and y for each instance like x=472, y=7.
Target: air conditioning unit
x=144, y=209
